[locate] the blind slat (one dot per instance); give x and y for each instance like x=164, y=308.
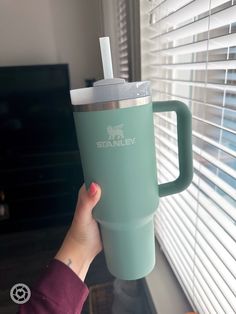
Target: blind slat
x=170, y=5
x=219, y=19
x=218, y=218
x=203, y=137
x=212, y=65
x=221, y=220
x=211, y=290
x=224, y=87
x=223, y=269
x=227, y=298
x=189, y=11
x=210, y=175
x=214, y=161
x=228, y=40
x=229, y=100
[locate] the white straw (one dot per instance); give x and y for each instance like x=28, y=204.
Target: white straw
x=106, y=57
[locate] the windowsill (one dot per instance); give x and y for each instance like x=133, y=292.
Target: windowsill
x=165, y=293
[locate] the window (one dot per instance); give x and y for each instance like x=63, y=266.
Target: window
x=188, y=52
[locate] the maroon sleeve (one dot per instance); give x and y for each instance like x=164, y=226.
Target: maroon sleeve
x=59, y=290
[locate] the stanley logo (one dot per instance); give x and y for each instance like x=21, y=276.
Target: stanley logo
x=116, y=138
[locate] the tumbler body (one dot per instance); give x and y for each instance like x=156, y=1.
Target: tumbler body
x=118, y=152
x=115, y=132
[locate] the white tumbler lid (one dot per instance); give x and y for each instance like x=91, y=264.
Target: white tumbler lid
x=115, y=89
x=109, y=89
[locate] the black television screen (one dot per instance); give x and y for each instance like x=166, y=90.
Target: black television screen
x=35, y=110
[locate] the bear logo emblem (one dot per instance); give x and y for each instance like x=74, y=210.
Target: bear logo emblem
x=115, y=132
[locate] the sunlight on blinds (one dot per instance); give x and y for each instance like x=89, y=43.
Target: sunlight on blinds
x=188, y=52
x=123, y=41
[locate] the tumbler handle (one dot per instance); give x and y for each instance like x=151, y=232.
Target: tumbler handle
x=184, y=131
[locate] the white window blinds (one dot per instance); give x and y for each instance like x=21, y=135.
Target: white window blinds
x=188, y=52
x=123, y=42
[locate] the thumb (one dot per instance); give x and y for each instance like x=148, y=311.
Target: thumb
x=88, y=198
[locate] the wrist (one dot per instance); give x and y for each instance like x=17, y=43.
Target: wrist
x=74, y=256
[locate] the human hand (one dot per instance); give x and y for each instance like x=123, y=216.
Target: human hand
x=82, y=242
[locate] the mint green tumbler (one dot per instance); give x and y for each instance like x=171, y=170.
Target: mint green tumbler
x=114, y=126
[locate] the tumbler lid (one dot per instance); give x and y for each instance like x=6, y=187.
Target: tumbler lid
x=109, y=89
x=105, y=90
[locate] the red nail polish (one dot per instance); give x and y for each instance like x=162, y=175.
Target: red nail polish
x=92, y=189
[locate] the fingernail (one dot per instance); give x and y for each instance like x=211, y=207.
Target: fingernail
x=92, y=189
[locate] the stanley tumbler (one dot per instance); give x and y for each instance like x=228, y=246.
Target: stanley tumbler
x=114, y=126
